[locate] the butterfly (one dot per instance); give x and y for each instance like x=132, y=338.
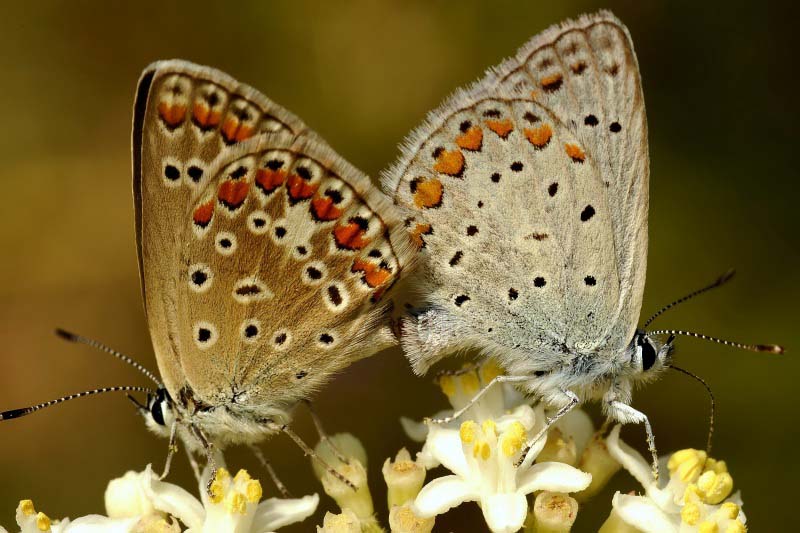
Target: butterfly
x=529, y=193
x=265, y=258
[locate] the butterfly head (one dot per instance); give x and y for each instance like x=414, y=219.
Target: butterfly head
x=649, y=355
x=159, y=413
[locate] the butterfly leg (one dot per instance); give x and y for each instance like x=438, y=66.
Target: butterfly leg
x=173, y=447
x=625, y=414
x=478, y=396
x=323, y=436
x=572, y=401
x=208, y=447
x=271, y=471
x=284, y=428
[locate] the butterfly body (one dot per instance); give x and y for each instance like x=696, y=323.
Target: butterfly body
x=264, y=256
x=529, y=197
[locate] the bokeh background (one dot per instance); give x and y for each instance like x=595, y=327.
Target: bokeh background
x=720, y=81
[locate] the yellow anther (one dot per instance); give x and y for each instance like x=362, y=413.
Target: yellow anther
x=467, y=432
x=253, y=491
x=736, y=527
x=489, y=429
x=715, y=487
x=469, y=383
x=42, y=522
x=216, y=491
x=222, y=475
x=692, y=494
x=687, y=465
x=242, y=476
x=690, y=514
x=708, y=527
x=235, y=503
x=729, y=510
x=513, y=439
x=489, y=370
x=486, y=451
x=26, y=506
x=448, y=386
x=720, y=467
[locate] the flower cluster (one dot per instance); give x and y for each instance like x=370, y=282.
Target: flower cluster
x=491, y=460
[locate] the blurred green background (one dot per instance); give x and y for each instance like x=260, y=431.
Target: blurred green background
x=720, y=82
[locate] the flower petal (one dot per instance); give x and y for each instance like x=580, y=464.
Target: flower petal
x=445, y=446
x=275, y=513
x=174, y=500
x=95, y=523
x=644, y=514
x=505, y=513
x=416, y=431
x=578, y=425
x=553, y=477
x=630, y=459
x=442, y=494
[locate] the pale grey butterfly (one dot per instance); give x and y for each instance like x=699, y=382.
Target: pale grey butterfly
x=529, y=194
x=265, y=258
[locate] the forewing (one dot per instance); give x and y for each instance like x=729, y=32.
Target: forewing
x=185, y=116
x=286, y=255
x=531, y=192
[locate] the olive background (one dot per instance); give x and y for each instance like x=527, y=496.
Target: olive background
x=720, y=82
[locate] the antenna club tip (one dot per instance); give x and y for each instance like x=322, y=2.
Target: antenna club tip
x=771, y=348
x=66, y=335
x=727, y=275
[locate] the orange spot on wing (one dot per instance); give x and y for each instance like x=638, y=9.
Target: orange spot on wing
x=428, y=193
x=323, y=209
x=552, y=83
x=540, y=136
x=350, y=236
x=234, y=131
x=232, y=193
x=575, y=152
x=534, y=94
x=472, y=139
x=501, y=127
x=417, y=233
x=300, y=189
x=203, y=213
x=268, y=180
x=173, y=115
x=204, y=116
x=374, y=276
x=450, y=162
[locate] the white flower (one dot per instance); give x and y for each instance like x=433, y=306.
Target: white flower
x=232, y=505
x=482, y=458
x=695, y=496
x=31, y=521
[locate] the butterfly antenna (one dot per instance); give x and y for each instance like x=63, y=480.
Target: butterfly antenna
x=72, y=337
x=713, y=404
x=767, y=348
x=16, y=413
x=718, y=282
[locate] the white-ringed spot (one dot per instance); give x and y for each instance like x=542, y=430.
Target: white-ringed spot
x=171, y=172
x=250, y=330
x=251, y=289
x=314, y=272
x=204, y=334
x=225, y=242
x=258, y=222
x=200, y=277
x=327, y=339
x=281, y=339
x=335, y=297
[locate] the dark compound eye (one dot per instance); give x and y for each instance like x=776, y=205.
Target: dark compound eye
x=649, y=355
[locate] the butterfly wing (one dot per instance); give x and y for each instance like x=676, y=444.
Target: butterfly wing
x=188, y=124
x=530, y=192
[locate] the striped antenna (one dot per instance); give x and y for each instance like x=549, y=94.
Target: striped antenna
x=718, y=282
x=16, y=413
x=767, y=348
x=79, y=339
x=713, y=404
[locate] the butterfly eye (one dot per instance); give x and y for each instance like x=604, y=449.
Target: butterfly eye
x=649, y=355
